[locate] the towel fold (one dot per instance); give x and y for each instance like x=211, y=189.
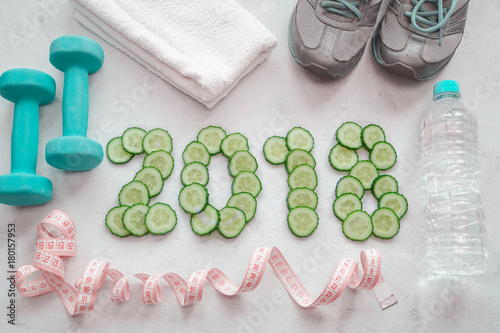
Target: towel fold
x=201, y=47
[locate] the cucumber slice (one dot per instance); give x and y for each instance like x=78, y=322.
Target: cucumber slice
x=342, y=158
x=242, y=160
x=157, y=139
x=350, y=184
x=385, y=223
x=115, y=152
x=298, y=157
x=132, y=140
x=302, y=221
x=196, y=152
x=152, y=178
x=303, y=176
x=245, y=202
x=349, y=135
x=206, y=222
x=232, y=143
x=357, y=226
x=134, y=219
x=299, y=138
x=232, y=221
x=372, y=134
x=194, y=172
x=302, y=197
x=275, y=150
x=247, y=181
x=162, y=160
x=211, y=137
x=193, y=198
x=346, y=204
x=383, y=155
x=366, y=172
x=133, y=193
x=160, y=219
x=395, y=201
x=114, y=221
x=384, y=184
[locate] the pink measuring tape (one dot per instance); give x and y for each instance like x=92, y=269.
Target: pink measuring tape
x=57, y=239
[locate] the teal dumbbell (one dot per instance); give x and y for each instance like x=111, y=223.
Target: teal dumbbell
x=77, y=57
x=28, y=89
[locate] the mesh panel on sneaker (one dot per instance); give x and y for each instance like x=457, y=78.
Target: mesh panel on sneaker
x=350, y=43
x=310, y=29
x=433, y=52
x=393, y=35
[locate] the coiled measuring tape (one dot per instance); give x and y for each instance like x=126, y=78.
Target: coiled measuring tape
x=57, y=239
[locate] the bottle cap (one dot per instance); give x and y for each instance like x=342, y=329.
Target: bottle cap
x=446, y=86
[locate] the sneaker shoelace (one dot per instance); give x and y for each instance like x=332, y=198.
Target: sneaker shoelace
x=434, y=20
x=344, y=8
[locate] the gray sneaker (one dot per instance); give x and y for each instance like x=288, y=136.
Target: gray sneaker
x=412, y=40
x=329, y=37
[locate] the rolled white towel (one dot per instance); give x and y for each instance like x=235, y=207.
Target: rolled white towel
x=203, y=48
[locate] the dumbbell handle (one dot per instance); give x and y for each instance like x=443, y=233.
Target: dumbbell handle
x=75, y=103
x=24, y=144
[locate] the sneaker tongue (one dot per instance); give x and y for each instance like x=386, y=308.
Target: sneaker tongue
x=339, y=17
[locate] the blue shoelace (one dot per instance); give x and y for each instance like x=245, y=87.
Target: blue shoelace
x=435, y=20
x=344, y=8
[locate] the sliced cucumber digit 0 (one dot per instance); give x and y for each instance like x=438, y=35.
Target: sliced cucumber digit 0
x=160, y=219
x=342, y=158
x=232, y=221
x=193, y=198
x=196, y=152
x=132, y=140
x=206, y=222
x=242, y=160
x=349, y=184
x=302, y=221
x=366, y=172
x=194, y=172
x=114, y=221
x=303, y=176
x=275, y=150
x=248, y=182
x=162, y=160
x=133, y=193
x=115, y=152
x=232, y=143
x=383, y=155
x=384, y=184
x=152, y=178
x=298, y=157
x=157, y=139
x=395, y=201
x=349, y=135
x=299, y=138
x=302, y=197
x=211, y=137
x=357, y=226
x=385, y=223
x=134, y=219
x=245, y=202
x=372, y=134
x=346, y=204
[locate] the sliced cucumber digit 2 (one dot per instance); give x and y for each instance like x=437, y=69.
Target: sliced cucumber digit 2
x=160, y=219
x=162, y=160
x=115, y=152
x=152, y=178
x=157, y=139
x=134, y=219
x=114, y=221
x=133, y=193
x=132, y=140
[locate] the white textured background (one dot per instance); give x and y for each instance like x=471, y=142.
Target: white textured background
x=276, y=96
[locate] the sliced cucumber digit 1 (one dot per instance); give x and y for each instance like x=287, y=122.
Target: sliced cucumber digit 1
x=132, y=140
x=302, y=197
x=275, y=150
x=383, y=155
x=133, y=193
x=298, y=157
x=342, y=158
x=114, y=221
x=115, y=152
x=299, y=138
x=357, y=226
x=157, y=139
x=303, y=176
x=232, y=143
x=211, y=137
x=160, y=219
x=302, y=221
x=349, y=135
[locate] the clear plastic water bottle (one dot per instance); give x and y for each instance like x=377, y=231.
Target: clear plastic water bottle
x=456, y=233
